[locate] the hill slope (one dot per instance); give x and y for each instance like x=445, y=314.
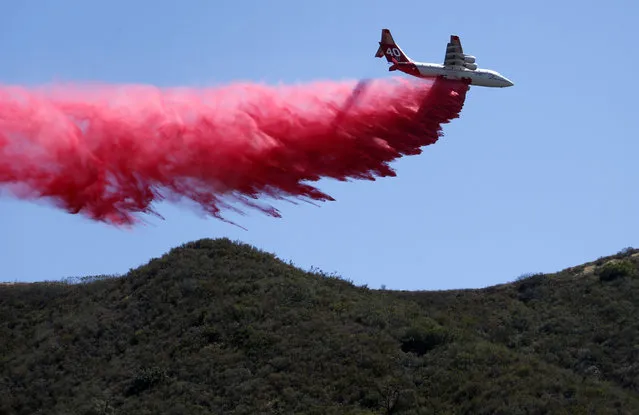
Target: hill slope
x=220, y=327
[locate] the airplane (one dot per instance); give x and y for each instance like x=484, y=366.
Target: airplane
x=457, y=65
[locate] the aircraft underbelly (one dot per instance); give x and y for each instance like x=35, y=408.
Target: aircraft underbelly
x=452, y=74
x=482, y=82
x=475, y=79
x=429, y=72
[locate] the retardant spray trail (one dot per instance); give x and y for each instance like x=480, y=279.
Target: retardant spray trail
x=109, y=152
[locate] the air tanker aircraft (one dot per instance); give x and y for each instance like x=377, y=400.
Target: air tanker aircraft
x=457, y=65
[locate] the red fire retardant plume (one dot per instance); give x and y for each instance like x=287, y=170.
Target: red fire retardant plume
x=109, y=152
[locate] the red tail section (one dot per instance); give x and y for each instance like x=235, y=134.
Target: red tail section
x=390, y=49
x=395, y=55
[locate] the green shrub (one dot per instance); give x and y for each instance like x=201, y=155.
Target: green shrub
x=619, y=269
x=420, y=340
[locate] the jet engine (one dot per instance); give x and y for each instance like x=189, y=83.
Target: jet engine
x=469, y=58
x=471, y=66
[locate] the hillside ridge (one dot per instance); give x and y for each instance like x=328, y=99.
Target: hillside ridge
x=219, y=326
x=585, y=268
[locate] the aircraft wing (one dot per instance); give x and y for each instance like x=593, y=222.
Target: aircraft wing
x=454, y=52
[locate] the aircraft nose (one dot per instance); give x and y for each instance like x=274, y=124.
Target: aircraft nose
x=508, y=82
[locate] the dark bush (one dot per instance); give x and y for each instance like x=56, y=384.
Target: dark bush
x=613, y=270
x=146, y=379
x=420, y=340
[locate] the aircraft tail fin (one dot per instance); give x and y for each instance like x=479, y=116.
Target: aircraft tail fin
x=390, y=49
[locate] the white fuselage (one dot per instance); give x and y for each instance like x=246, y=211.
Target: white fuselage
x=479, y=77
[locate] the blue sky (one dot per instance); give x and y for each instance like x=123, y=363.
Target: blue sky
x=533, y=178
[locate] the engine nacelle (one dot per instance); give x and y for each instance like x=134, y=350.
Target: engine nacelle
x=469, y=58
x=471, y=66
